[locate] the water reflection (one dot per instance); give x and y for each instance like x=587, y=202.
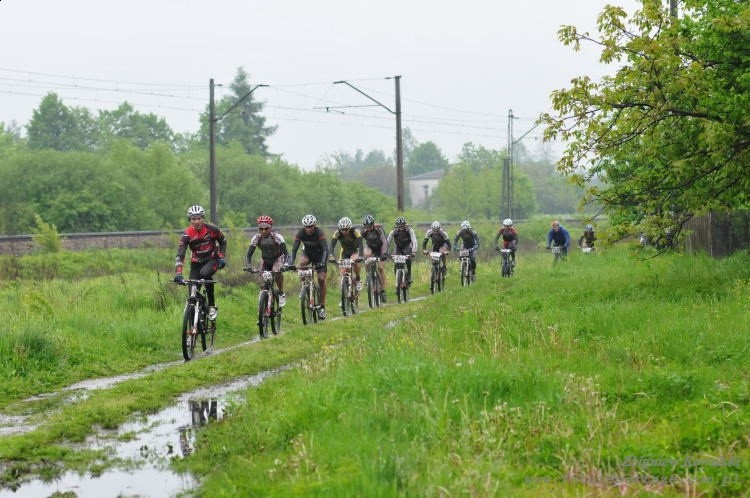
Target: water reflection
x=148, y=444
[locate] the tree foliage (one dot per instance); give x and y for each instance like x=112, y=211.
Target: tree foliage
x=668, y=133
x=424, y=158
x=239, y=118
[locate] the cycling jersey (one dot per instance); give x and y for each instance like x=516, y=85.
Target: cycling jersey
x=351, y=241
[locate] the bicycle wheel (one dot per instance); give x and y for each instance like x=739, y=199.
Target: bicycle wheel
x=210, y=335
x=304, y=304
x=315, y=304
x=344, y=295
x=275, y=315
x=370, y=291
x=376, y=289
x=353, y=300
x=262, y=316
x=464, y=274
x=434, y=282
x=188, y=339
x=203, y=328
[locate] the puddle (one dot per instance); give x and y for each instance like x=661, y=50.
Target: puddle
x=148, y=444
x=18, y=424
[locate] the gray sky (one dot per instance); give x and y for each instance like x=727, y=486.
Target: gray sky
x=463, y=64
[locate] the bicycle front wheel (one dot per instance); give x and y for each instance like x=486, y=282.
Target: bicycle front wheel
x=434, y=279
x=262, y=315
x=465, y=280
x=275, y=315
x=370, y=291
x=188, y=338
x=344, y=295
x=376, y=290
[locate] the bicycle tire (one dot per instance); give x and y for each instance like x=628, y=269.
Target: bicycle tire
x=434, y=279
x=377, y=289
x=464, y=274
x=203, y=327
x=210, y=335
x=188, y=340
x=353, y=299
x=370, y=291
x=344, y=295
x=402, y=289
x=262, y=316
x=315, y=303
x=275, y=315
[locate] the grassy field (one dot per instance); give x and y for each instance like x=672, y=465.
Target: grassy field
x=608, y=374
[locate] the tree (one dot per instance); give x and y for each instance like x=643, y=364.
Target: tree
x=141, y=130
x=424, y=158
x=242, y=120
x=669, y=133
x=55, y=126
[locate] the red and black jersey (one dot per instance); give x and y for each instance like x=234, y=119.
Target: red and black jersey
x=205, y=244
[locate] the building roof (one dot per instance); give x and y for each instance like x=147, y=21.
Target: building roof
x=430, y=175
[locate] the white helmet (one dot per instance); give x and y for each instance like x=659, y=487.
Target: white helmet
x=196, y=211
x=508, y=222
x=435, y=225
x=465, y=225
x=309, y=221
x=345, y=222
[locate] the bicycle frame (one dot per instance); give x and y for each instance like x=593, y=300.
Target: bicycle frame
x=195, y=320
x=507, y=265
x=402, y=283
x=373, y=281
x=436, y=276
x=349, y=294
x=308, y=295
x=464, y=255
x=269, y=311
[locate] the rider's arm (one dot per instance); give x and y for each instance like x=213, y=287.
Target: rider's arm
x=360, y=244
x=249, y=256
x=295, y=247
x=413, y=239
x=476, y=241
x=334, y=241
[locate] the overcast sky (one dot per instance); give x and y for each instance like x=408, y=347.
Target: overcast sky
x=463, y=64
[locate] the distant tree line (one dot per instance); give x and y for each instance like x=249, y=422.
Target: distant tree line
x=123, y=170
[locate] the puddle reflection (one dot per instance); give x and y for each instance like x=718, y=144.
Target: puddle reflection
x=148, y=443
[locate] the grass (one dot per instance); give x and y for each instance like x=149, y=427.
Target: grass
x=556, y=382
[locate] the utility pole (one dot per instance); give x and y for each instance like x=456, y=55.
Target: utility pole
x=506, y=189
x=507, y=186
x=212, y=152
x=212, y=120
x=399, y=145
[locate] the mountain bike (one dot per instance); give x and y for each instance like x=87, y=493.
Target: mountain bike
x=402, y=280
x=349, y=293
x=437, y=275
x=374, y=285
x=465, y=261
x=557, y=252
x=508, y=265
x=269, y=311
x=309, y=294
x=195, y=322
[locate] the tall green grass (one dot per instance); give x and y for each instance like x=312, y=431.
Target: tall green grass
x=546, y=384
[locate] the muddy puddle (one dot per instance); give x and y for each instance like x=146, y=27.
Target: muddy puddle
x=145, y=447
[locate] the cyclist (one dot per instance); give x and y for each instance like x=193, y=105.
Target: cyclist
x=588, y=238
x=510, y=238
x=559, y=236
x=315, y=253
x=351, y=240
x=440, y=243
x=273, y=252
x=207, y=246
x=470, y=240
x=376, y=244
x=405, y=242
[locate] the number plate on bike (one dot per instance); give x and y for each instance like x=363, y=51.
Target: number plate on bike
x=267, y=275
x=399, y=258
x=304, y=273
x=345, y=264
x=464, y=253
x=556, y=250
x=435, y=256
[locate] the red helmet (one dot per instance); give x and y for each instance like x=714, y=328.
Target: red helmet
x=265, y=220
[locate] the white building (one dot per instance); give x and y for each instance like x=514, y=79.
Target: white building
x=422, y=186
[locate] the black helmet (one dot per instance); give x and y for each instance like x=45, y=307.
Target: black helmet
x=368, y=220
